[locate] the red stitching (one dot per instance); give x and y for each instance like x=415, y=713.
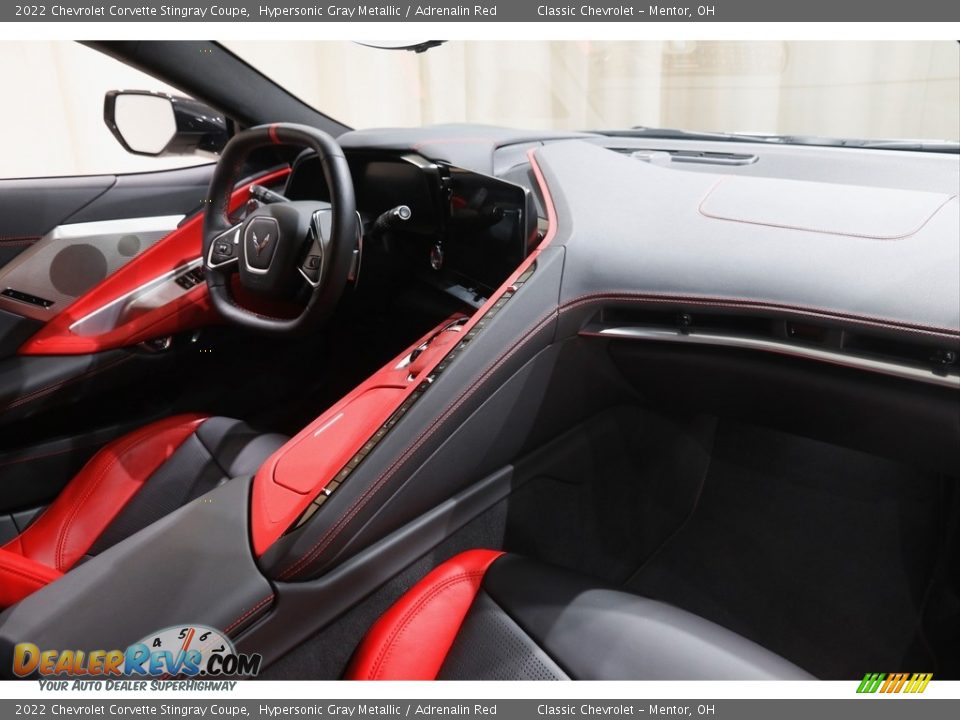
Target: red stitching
x=65, y=528
x=44, y=456
x=75, y=510
x=327, y=539
x=35, y=394
x=24, y=573
x=331, y=534
x=334, y=531
x=248, y=613
x=413, y=612
x=18, y=239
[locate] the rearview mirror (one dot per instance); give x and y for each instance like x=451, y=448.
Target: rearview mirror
x=417, y=46
x=155, y=124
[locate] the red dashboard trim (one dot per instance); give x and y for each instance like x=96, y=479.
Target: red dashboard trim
x=189, y=311
x=279, y=498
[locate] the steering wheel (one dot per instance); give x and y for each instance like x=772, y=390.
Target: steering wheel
x=280, y=246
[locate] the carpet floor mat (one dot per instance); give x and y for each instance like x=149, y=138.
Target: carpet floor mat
x=821, y=554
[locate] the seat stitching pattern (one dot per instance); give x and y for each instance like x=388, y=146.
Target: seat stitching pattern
x=408, y=617
x=75, y=510
x=37, y=578
x=248, y=613
x=46, y=390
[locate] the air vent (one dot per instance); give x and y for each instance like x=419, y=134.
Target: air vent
x=825, y=342
x=661, y=156
x=939, y=359
x=689, y=321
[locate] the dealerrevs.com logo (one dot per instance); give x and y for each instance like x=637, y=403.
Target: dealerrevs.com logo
x=181, y=651
x=888, y=683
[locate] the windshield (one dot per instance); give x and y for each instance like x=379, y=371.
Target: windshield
x=879, y=90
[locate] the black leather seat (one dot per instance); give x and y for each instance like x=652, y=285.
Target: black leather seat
x=484, y=615
x=129, y=484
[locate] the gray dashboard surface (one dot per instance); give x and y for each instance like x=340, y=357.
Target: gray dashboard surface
x=471, y=147
x=852, y=235
x=634, y=228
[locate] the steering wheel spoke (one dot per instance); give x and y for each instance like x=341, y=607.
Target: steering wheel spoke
x=224, y=249
x=312, y=266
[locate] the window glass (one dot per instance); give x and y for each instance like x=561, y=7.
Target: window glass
x=52, y=120
x=841, y=89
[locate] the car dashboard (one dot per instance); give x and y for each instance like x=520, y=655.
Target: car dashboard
x=462, y=231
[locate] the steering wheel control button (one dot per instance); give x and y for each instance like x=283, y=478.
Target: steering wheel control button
x=223, y=249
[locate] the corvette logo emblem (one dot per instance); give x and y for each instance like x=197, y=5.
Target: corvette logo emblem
x=258, y=244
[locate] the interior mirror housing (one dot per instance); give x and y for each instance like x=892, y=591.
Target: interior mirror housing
x=155, y=124
x=417, y=46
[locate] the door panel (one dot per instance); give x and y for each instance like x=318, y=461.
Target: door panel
x=170, y=192
x=72, y=258
x=59, y=237
x=33, y=207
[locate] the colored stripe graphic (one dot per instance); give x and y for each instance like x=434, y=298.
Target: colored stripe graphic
x=871, y=682
x=891, y=683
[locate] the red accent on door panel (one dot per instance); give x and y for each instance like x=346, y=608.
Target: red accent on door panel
x=20, y=576
x=411, y=640
x=189, y=311
x=67, y=529
x=275, y=506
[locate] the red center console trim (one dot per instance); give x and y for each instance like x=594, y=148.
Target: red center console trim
x=288, y=489
x=188, y=311
x=298, y=473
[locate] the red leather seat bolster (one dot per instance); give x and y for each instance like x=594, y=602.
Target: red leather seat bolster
x=411, y=640
x=69, y=526
x=20, y=576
